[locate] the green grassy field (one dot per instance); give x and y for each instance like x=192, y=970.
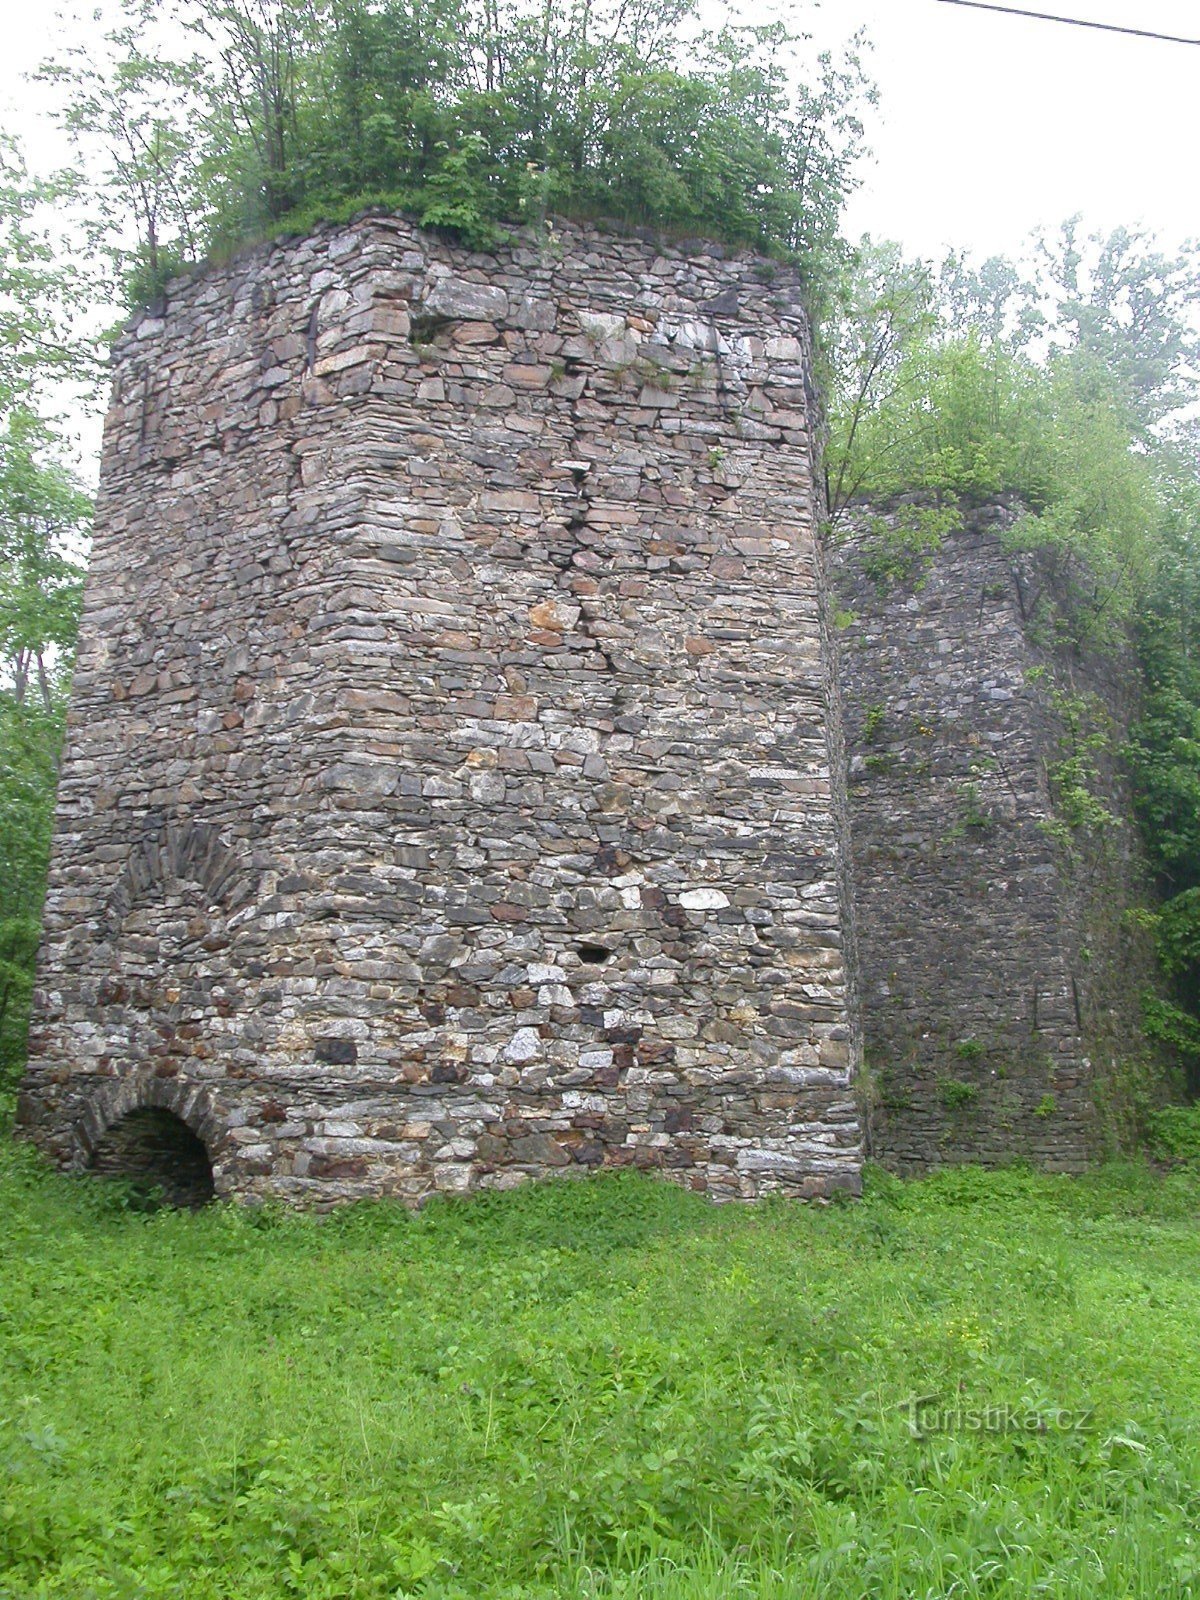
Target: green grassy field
x=604, y=1389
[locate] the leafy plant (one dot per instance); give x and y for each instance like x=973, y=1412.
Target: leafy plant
x=956, y=1095
x=44, y=517
x=460, y=193
x=1075, y=781
x=465, y=112
x=898, y=548
x=1179, y=1029
x=973, y=814
x=873, y=722
x=1175, y=1133
x=601, y=1390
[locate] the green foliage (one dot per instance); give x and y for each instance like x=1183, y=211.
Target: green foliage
x=1057, y=385
x=1080, y=815
x=1164, y=754
x=881, y=310
x=968, y=423
x=960, y=425
x=128, y=100
x=1126, y=309
x=956, y=1095
x=467, y=113
x=898, y=548
x=1164, y=751
x=978, y=383
x=973, y=814
x=1174, y=1027
x=1164, y=748
x=1175, y=1133
x=29, y=741
x=43, y=518
x=606, y=1388
x=43, y=523
x=40, y=294
x=1114, y=305
x=1177, y=935
x=458, y=195
x=144, y=281
x=1091, y=498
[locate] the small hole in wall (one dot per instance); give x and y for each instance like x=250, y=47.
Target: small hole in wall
x=425, y=326
x=592, y=955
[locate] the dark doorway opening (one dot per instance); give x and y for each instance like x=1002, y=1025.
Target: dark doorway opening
x=159, y=1156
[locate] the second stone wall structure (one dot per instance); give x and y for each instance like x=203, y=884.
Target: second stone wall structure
x=1001, y=978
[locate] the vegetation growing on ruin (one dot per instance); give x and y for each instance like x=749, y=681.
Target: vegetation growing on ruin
x=1058, y=382
x=231, y=120
x=1065, y=384
x=605, y=1389
x=612, y=1389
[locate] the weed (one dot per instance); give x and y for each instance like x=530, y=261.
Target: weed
x=606, y=1389
x=956, y=1095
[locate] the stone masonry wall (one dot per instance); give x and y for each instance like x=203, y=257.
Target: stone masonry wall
x=447, y=795
x=1000, y=980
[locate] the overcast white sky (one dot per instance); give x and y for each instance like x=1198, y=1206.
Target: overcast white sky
x=988, y=127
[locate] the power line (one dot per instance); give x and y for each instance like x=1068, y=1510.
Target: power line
x=1074, y=22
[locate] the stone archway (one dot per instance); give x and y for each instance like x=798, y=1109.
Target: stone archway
x=157, y=1153
x=162, y=1134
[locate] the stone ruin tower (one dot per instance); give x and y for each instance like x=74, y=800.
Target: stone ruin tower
x=451, y=784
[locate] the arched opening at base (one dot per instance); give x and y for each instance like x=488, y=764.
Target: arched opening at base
x=159, y=1156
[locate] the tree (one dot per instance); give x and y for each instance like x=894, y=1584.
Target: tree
x=129, y=113
x=883, y=309
x=469, y=113
x=997, y=299
x=268, y=90
x=1116, y=305
x=39, y=293
x=1123, y=306
x=1059, y=384
x=43, y=518
x=43, y=515
x=43, y=521
x=980, y=380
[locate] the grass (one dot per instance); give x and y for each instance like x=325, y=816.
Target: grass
x=605, y=1389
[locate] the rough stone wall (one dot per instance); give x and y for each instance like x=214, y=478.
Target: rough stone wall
x=1000, y=983
x=447, y=795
